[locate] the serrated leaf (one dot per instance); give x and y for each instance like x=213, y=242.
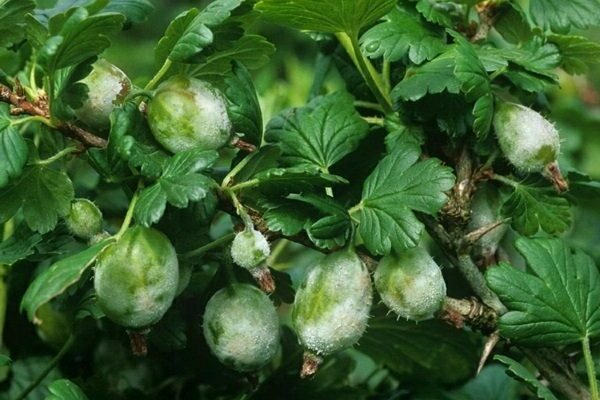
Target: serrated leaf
x=332, y=16
x=435, y=76
x=402, y=33
x=136, y=11
x=12, y=20
x=13, y=153
x=537, y=206
x=520, y=373
x=253, y=51
x=244, y=109
x=561, y=16
x=558, y=304
x=399, y=186
x=58, y=278
x=45, y=195
x=64, y=389
x=578, y=53
x=319, y=134
x=81, y=37
x=429, y=349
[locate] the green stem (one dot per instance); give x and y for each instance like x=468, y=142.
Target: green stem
x=53, y=363
x=223, y=240
x=64, y=152
x=590, y=368
x=159, y=75
x=371, y=76
x=130, y=210
x=34, y=118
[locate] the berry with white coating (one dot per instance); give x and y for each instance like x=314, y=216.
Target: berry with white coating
x=136, y=278
x=84, y=219
x=411, y=284
x=241, y=327
x=188, y=113
x=107, y=86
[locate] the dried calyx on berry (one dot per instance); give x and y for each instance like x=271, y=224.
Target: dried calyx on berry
x=411, y=284
x=529, y=141
x=241, y=327
x=331, y=308
x=250, y=250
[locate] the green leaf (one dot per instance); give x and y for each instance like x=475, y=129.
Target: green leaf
x=57, y=278
x=332, y=16
x=435, y=76
x=12, y=20
x=402, y=33
x=13, y=151
x=64, y=389
x=136, y=11
x=45, y=195
x=578, y=53
x=558, y=304
x=520, y=373
x=81, y=37
x=253, y=51
x=561, y=16
x=536, y=205
x=319, y=134
x=189, y=33
x=431, y=349
x=244, y=109
x=400, y=185
x=179, y=184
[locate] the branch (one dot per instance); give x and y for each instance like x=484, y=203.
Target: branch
x=22, y=106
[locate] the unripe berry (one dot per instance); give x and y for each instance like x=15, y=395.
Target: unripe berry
x=136, y=278
x=84, y=219
x=188, y=113
x=529, y=141
x=241, y=327
x=411, y=284
x=249, y=248
x=107, y=86
x=331, y=308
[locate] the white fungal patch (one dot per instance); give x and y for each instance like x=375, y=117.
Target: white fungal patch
x=249, y=248
x=527, y=139
x=241, y=327
x=411, y=284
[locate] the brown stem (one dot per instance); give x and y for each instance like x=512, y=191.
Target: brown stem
x=22, y=106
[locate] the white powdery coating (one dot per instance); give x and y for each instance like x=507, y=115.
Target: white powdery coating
x=411, y=284
x=331, y=309
x=241, y=327
x=249, y=248
x=106, y=84
x=527, y=139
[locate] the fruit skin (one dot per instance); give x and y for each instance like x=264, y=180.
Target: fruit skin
x=249, y=248
x=241, y=327
x=188, y=113
x=527, y=139
x=137, y=277
x=331, y=308
x=411, y=284
x=107, y=87
x=84, y=219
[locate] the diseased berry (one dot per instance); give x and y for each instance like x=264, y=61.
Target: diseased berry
x=136, y=278
x=241, y=327
x=188, y=113
x=331, y=308
x=411, y=284
x=107, y=86
x=84, y=219
x=529, y=141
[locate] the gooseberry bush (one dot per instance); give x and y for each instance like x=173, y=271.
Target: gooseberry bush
x=341, y=199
